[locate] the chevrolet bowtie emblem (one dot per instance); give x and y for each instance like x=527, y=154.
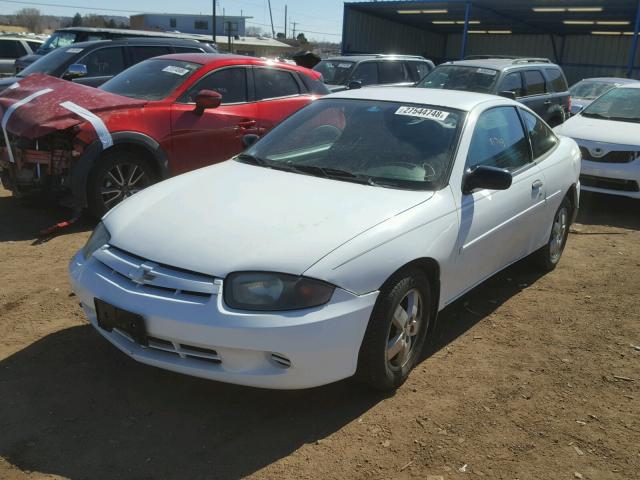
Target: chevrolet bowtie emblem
x=144, y=274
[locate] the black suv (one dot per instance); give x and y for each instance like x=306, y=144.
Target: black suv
x=93, y=63
x=535, y=82
x=354, y=71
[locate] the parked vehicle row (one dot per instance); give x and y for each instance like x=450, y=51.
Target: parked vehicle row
x=14, y=47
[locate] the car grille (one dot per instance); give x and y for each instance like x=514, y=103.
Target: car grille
x=611, y=157
x=609, y=183
x=140, y=273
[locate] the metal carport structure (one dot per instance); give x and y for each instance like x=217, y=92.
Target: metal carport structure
x=585, y=37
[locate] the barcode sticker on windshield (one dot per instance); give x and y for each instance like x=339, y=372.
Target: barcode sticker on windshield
x=74, y=50
x=422, y=113
x=486, y=71
x=176, y=70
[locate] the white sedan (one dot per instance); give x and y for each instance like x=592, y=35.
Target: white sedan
x=608, y=133
x=327, y=249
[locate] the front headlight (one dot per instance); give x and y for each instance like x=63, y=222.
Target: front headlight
x=98, y=238
x=274, y=291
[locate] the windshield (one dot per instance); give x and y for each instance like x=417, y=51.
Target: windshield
x=334, y=72
x=57, y=39
x=454, y=77
x=153, y=79
x=589, y=90
x=622, y=104
x=51, y=62
x=389, y=144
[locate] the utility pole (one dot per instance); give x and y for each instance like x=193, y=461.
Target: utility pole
x=285, y=21
x=273, y=30
x=214, y=21
x=294, y=29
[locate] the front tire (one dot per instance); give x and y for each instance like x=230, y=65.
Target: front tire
x=397, y=330
x=548, y=257
x=117, y=176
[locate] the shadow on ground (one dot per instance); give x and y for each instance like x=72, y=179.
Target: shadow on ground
x=609, y=210
x=75, y=406
x=26, y=219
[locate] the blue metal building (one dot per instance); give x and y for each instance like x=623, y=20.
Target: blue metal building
x=187, y=23
x=586, y=37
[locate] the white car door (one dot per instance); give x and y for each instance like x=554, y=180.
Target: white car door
x=496, y=226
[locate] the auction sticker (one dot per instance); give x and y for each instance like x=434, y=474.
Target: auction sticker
x=422, y=113
x=176, y=70
x=487, y=71
x=74, y=50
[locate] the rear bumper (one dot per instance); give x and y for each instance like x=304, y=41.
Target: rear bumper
x=322, y=344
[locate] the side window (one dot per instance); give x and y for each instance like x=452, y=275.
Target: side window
x=512, y=82
x=272, y=83
x=231, y=83
x=11, y=49
x=535, y=82
x=366, y=73
x=556, y=79
x=499, y=140
x=392, y=72
x=104, y=62
x=417, y=70
x=542, y=138
x=34, y=45
x=140, y=53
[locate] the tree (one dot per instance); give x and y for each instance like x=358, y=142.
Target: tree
x=111, y=23
x=77, y=20
x=280, y=35
x=29, y=18
x=301, y=38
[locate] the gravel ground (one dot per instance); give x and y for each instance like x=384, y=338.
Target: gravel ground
x=527, y=377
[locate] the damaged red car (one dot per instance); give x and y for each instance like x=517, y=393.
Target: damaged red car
x=159, y=118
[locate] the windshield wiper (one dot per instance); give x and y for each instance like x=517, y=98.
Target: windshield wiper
x=252, y=160
x=595, y=115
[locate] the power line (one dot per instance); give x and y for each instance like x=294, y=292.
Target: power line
x=77, y=7
x=299, y=29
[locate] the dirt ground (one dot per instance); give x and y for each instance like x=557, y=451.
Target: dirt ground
x=528, y=377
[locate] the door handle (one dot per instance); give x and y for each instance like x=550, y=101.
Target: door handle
x=537, y=185
x=246, y=124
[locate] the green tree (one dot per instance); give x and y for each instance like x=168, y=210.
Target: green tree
x=301, y=38
x=77, y=20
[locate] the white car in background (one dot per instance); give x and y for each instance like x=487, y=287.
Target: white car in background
x=608, y=133
x=328, y=247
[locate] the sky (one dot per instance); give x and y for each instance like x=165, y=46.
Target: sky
x=318, y=19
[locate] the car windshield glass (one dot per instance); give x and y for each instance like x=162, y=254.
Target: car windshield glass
x=334, y=72
x=57, y=39
x=454, y=77
x=590, y=90
x=377, y=143
x=153, y=79
x=51, y=61
x=621, y=104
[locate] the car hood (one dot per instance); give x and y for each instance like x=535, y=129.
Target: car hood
x=7, y=82
x=44, y=114
x=233, y=217
x=606, y=131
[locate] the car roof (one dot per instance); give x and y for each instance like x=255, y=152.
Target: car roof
x=215, y=58
x=630, y=85
x=20, y=37
x=360, y=58
x=609, y=80
x=458, y=100
x=145, y=33
x=134, y=41
x=500, y=63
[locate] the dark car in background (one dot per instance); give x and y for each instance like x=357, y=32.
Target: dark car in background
x=93, y=63
x=65, y=37
x=13, y=47
x=586, y=91
x=535, y=82
x=349, y=71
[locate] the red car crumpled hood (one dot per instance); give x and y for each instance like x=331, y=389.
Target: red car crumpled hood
x=44, y=114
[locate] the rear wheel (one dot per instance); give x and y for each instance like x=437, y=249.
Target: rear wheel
x=548, y=257
x=117, y=176
x=397, y=330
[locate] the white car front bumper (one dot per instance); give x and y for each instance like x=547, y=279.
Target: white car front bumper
x=611, y=178
x=321, y=344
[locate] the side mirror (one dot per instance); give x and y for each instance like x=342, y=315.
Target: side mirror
x=508, y=94
x=249, y=139
x=206, y=99
x=354, y=85
x=75, y=70
x=483, y=176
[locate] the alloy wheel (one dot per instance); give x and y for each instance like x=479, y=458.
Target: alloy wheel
x=122, y=181
x=406, y=323
x=558, y=234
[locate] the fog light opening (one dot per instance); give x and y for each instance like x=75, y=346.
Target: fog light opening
x=280, y=360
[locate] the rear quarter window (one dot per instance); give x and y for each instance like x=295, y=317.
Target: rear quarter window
x=556, y=79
